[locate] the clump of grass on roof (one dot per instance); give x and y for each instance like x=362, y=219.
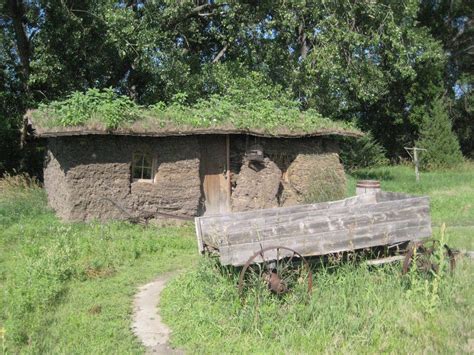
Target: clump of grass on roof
x=94, y=106
x=241, y=108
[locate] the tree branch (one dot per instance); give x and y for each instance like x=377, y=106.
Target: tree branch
x=195, y=12
x=220, y=54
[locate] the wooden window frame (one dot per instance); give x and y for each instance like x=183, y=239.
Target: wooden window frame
x=143, y=167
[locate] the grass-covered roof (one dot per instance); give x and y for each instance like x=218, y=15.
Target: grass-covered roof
x=104, y=112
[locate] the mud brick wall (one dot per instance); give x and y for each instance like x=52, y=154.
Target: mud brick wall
x=177, y=183
x=83, y=174
x=82, y=171
x=55, y=182
x=294, y=171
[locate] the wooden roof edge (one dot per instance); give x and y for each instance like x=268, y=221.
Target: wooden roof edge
x=41, y=133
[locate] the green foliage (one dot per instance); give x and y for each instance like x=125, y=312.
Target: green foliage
x=248, y=103
x=93, y=106
x=462, y=113
x=363, y=152
x=380, y=62
x=437, y=137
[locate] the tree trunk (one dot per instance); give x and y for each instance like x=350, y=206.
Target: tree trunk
x=16, y=11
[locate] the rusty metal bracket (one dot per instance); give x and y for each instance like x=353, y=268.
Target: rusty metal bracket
x=272, y=276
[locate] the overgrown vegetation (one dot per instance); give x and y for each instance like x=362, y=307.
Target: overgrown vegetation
x=353, y=309
x=328, y=185
x=68, y=287
x=101, y=106
x=246, y=104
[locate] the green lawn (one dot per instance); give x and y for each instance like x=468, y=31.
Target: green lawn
x=68, y=287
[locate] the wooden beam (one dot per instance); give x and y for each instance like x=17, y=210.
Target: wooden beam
x=387, y=260
x=229, y=182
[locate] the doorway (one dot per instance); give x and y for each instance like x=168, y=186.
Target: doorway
x=215, y=176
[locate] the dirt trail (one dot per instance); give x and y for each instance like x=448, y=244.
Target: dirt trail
x=147, y=324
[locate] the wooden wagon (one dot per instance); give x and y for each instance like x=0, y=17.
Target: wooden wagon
x=267, y=236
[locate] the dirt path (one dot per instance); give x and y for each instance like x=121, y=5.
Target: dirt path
x=147, y=324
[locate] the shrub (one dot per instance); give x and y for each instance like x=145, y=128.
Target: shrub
x=363, y=152
x=437, y=137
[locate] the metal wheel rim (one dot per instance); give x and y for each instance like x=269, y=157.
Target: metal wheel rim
x=427, y=251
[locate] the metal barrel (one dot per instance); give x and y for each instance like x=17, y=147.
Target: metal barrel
x=367, y=186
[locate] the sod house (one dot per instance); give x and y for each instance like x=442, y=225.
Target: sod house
x=144, y=170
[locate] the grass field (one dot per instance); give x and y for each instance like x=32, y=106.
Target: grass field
x=68, y=287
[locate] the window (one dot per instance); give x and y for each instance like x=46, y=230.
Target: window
x=142, y=166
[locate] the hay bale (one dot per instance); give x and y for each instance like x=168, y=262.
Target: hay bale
x=313, y=178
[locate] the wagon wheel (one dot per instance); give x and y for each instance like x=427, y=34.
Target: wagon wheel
x=276, y=269
x=425, y=256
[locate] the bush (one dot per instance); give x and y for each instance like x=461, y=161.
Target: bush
x=363, y=152
x=437, y=137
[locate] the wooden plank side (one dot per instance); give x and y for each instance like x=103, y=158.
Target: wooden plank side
x=244, y=216
x=220, y=224
x=384, y=196
x=316, y=244
x=331, y=237
x=323, y=225
x=326, y=222
x=200, y=243
x=262, y=227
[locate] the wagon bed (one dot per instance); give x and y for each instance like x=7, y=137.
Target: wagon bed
x=363, y=221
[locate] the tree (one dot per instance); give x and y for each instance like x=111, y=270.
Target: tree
x=437, y=137
x=452, y=23
x=374, y=62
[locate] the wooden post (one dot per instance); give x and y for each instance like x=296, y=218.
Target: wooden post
x=229, y=182
x=415, y=159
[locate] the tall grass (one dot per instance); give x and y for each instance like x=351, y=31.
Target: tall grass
x=52, y=274
x=353, y=309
